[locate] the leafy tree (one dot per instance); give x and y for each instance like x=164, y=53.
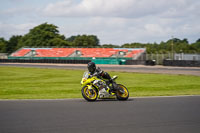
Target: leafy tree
x=71, y=39
x=84, y=40
x=3, y=44
x=178, y=46
x=110, y=46
x=59, y=42
x=198, y=40
x=195, y=47
x=43, y=35
x=12, y=44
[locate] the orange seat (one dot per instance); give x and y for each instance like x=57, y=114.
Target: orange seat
x=21, y=52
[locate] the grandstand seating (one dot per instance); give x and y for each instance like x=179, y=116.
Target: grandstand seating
x=54, y=52
x=84, y=52
x=21, y=52
x=134, y=53
x=97, y=52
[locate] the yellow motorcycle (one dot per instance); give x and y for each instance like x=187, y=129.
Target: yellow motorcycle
x=94, y=87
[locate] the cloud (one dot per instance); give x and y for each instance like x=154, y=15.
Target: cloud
x=113, y=21
x=119, y=8
x=91, y=8
x=7, y=30
x=16, y=11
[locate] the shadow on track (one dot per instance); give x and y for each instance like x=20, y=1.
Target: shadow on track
x=108, y=100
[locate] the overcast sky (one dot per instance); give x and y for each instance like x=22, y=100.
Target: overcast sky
x=113, y=21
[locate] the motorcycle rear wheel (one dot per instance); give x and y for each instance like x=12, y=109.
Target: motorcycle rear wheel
x=122, y=96
x=88, y=95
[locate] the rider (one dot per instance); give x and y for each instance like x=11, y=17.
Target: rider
x=99, y=73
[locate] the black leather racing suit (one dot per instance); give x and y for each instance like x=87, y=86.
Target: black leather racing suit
x=101, y=74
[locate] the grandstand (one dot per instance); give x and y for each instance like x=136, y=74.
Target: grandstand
x=98, y=55
x=78, y=52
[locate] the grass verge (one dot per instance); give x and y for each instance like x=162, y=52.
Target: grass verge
x=37, y=83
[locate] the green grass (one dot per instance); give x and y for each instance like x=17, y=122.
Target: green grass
x=36, y=83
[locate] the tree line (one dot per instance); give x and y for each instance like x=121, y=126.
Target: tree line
x=47, y=35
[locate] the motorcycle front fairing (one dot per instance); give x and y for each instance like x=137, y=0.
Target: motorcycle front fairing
x=87, y=81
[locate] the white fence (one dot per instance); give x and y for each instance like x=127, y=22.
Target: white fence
x=160, y=57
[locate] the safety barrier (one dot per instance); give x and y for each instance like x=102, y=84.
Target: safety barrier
x=135, y=62
x=183, y=63
x=50, y=58
x=98, y=60
x=44, y=61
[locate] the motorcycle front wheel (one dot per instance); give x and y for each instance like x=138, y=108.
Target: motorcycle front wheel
x=124, y=95
x=89, y=94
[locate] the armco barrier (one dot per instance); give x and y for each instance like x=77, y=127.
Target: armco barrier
x=72, y=60
x=51, y=58
x=44, y=61
x=135, y=62
x=97, y=61
x=182, y=63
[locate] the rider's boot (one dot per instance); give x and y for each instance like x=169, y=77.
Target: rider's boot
x=114, y=85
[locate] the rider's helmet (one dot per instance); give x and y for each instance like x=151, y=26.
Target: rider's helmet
x=91, y=67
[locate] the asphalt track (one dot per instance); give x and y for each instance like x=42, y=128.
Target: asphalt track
x=125, y=68
x=137, y=115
